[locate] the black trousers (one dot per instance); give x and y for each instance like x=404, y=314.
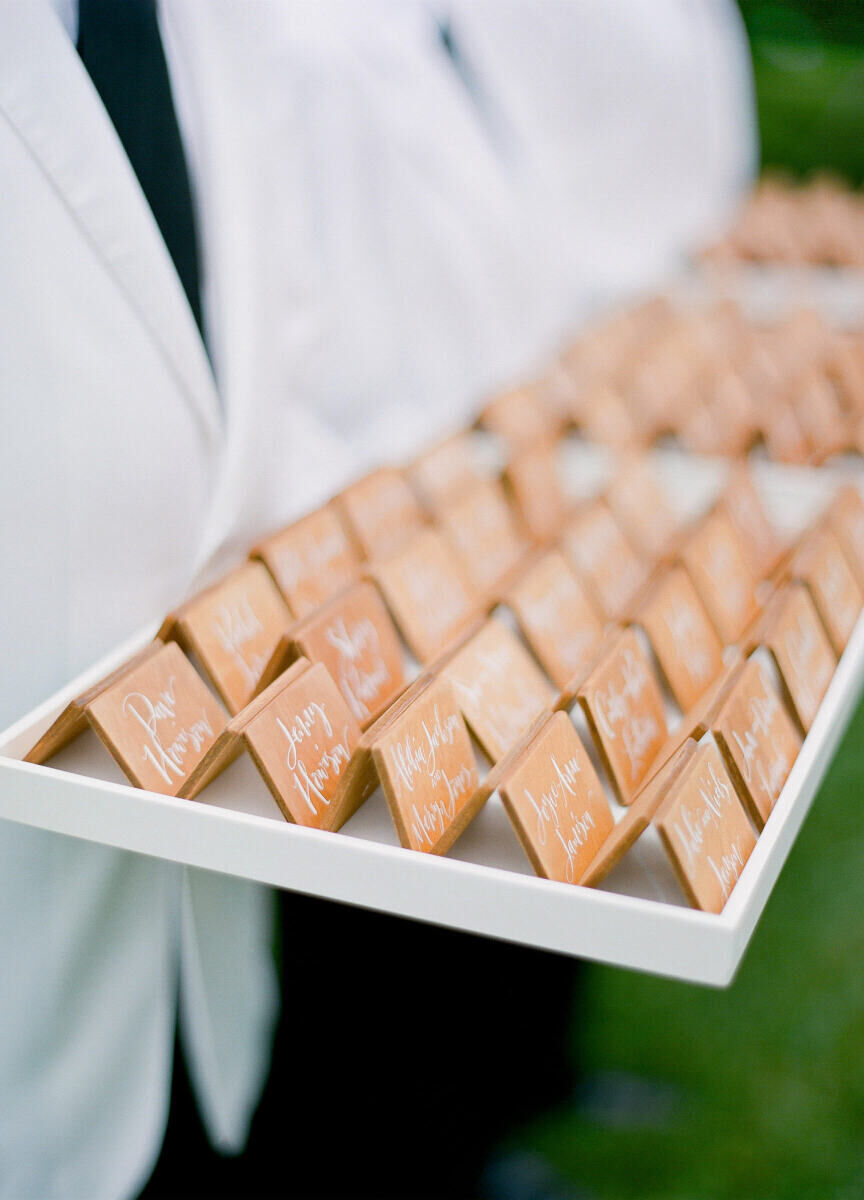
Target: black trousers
x=405, y=1053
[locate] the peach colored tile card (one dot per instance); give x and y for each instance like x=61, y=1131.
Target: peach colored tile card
x=705, y=830
x=443, y=473
x=428, y=594
x=533, y=479
x=796, y=637
x=158, y=720
x=381, y=512
x=758, y=739
x=760, y=541
x=426, y=765
x=596, y=546
x=354, y=637
x=556, y=803
x=626, y=714
x=233, y=628
x=498, y=686
x=518, y=416
x=641, y=507
x=556, y=617
x=685, y=642
x=311, y=560
x=715, y=560
x=846, y=517
x=820, y=563
x=302, y=742
x=481, y=527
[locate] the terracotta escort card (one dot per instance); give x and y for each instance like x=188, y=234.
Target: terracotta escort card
x=533, y=478
x=640, y=506
x=232, y=629
x=518, y=416
x=556, y=802
x=381, y=512
x=443, y=473
x=311, y=560
x=705, y=830
x=624, y=706
x=301, y=737
x=595, y=545
x=426, y=765
x=498, y=687
x=715, y=561
x=428, y=594
x=556, y=618
x=820, y=563
x=846, y=517
x=481, y=528
x=797, y=639
x=354, y=637
x=757, y=738
x=158, y=720
x=683, y=638
x=760, y=542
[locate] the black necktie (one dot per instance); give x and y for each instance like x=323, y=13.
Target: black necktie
x=119, y=44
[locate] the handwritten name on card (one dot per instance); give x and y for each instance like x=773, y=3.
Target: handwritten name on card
x=557, y=803
x=639, y=504
x=821, y=564
x=597, y=548
x=443, y=473
x=311, y=560
x=533, y=478
x=759, y=540
x=758, y=739
x=481, y=528
x=233, y=628
x=428, y=594
x=499, y=688
x=382, y=512
x=706, y=831
x=427, y=769
x=684, y=640
x=354, y=637
x=158, y=720
x=624, y=706
x=557, y=619
x=715, y=561
x=302, y=741
x=846, y=516
x=796, y=637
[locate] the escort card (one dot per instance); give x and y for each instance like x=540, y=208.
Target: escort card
x=595, y=545
x=820, y=562
x=381, y=513
x=759, y=540
x=481, y=528
x=498, y=687
x=625, y=711
x=797, y=639
x=757, y=738
x=557, y=619
x=687, y=648
x=518, y=416
x=354, y=637
x=715, y=561
x=443, y=473
x=426, y=765
x=158, y=720
x=846, y=517
x=607, y=419
x=640, y=506
x=428, y=594
x=705, y=830
x=232, y=629
x=302, y=737
x=311, y=560
x=533, y=478
x=556, y=802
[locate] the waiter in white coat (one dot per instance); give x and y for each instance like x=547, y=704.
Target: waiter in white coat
x=371, y=230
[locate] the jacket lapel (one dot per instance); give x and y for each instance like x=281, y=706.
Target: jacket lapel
x=47, y=96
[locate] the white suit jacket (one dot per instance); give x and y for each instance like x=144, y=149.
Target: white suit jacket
x=377, y=253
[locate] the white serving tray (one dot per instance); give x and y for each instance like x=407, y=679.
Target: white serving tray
x=485, y=884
